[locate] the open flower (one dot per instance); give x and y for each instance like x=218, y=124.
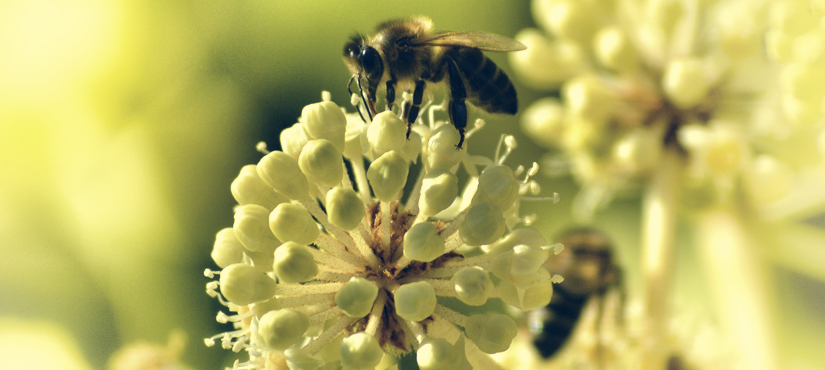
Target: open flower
x=339, y=254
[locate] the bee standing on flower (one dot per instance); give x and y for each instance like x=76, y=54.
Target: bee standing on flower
x=409, y=54
x=333, y=260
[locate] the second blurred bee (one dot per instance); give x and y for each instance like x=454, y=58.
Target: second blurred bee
x=589, y=270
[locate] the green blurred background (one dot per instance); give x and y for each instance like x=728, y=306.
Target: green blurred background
x=122, y=124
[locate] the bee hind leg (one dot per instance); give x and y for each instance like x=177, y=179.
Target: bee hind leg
x=458, y=94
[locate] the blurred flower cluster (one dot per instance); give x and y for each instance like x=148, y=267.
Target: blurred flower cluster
x=337, y=259
x=713, y=110
x=641, y=78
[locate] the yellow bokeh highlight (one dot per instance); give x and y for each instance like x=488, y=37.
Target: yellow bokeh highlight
x=35, y=345
x=51, y=44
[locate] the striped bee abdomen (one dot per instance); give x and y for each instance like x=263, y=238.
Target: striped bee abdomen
x=560, y=318
x=488, y=87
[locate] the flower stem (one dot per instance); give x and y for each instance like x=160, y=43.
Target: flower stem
x=360, y=175
x=738, y=286
x=658, y=234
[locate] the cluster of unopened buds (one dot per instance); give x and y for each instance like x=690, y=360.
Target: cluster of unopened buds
x=337, y=260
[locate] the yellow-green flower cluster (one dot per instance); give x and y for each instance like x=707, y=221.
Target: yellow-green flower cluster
x=338, y=254
x=639, y=78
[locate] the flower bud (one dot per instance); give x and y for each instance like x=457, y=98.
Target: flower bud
x=779, y=46
x=472, y=285
x=546, y=64
x=331, y=352
x=325, y=120
x=491, y=333
x=808, y=48
x=497, y=185
x=227, y=249
x=242, y=284
x=422, y=243
x=438, y=191
x=664, y=14
x=483, y=224
x=803, y=81
x=524, y=235
x=357, y=297
x=725, y=153
x=412, y=147
x=280, y=329
x=441, y=149
x=321, y=162
x=415, y=301
x=587, y=97
x=529, y=295
x=792, y=17
x=292, y=223
x=248, y=188
x=353, y=150
x=438, y=354
x=737, y=33
x=299, y=360
x=571, y=19
x=543, y=121
x=252, y=229
x=638, y=151
x=293, y=140
x=386, y=132
x=684, y=82
x=799, y=112
x=262, y=260
x=294, y=263
x=345, y=208
x=583, y=135
x=522, y=260
x=614, y=50
x=360, y=351
x=282, y=173
x=388, y=175
x=766, y=180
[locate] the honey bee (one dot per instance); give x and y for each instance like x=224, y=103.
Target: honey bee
x=410, y=54
x=589, y=271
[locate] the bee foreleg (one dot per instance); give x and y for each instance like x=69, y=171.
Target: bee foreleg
x=412, y=114
x=391, y=92
x=458, y=110
x=369, y=103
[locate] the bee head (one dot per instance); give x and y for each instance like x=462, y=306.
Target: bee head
x=363, y=59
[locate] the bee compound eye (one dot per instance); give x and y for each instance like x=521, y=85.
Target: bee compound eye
x=371, y=62
x=351, y=50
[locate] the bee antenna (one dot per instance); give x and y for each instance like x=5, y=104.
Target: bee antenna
x=357, y=106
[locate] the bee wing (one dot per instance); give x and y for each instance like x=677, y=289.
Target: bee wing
x=478, y=40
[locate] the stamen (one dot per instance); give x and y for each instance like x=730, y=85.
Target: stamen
x=306, y=300
x=376, y=313
x=325, y=315
x=261, y=147
x=284, y=290
x=386, y=227
x=450, y=315
x=328, y=335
